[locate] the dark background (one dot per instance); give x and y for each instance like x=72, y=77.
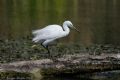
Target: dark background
x=97, y=20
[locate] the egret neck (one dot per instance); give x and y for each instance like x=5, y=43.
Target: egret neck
x=66, y=29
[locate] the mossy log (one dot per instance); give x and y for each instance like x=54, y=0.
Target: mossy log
x=69, y=64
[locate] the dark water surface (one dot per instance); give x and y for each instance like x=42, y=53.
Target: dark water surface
x=109, y=75
x=98, y=20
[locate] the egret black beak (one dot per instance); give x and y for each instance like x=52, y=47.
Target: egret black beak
x=77, y=30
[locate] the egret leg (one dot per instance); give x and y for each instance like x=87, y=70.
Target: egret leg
x=48, y=52
x=46, y=47
x=51, y=57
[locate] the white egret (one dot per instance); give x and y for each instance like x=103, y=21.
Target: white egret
x=51, y=33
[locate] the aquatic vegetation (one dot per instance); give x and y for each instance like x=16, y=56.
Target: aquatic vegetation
x=11, y=75
x=18, y=50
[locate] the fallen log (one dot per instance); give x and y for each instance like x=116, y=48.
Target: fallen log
x=69, y=64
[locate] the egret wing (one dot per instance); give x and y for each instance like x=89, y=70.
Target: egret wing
x=49, y=32
x=48, y=28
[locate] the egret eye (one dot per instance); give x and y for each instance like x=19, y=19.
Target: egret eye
x=70, y=25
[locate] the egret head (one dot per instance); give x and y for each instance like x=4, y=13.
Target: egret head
x=70, y=25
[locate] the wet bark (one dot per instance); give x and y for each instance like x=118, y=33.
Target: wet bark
x=69, y=64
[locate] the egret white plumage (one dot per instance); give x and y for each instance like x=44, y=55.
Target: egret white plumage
x=51, y=32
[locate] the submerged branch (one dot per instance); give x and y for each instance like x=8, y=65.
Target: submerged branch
x=69, y=64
